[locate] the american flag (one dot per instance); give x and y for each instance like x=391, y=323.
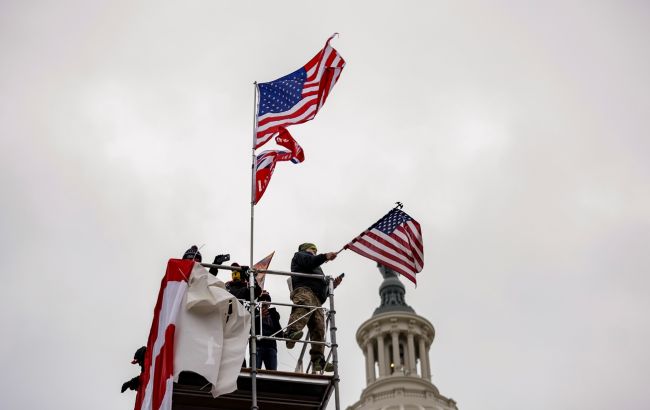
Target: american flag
x=297, y=97
x=394, y=241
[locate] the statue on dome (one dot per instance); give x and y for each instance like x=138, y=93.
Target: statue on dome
x=386, y=272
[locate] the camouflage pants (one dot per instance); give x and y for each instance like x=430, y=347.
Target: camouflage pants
x=315, y=320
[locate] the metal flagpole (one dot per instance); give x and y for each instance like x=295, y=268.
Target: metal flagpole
x=251, y=278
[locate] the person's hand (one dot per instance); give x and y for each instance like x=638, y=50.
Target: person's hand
x=330, y=256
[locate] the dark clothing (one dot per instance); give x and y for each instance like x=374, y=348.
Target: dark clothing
x=309, y=292
x=268, y=356
x=270, y=324
x=267, y=349
x=305, y=262
x=240, y=290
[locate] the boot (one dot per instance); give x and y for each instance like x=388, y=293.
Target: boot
x=319, y=365
x=288, y=334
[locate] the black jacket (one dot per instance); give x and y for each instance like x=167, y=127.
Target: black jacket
x=240, y=290
x=270, y=325
x=305, y=262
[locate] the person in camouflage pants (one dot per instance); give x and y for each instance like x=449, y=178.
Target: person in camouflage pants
x=315, y=320
x=310, y=292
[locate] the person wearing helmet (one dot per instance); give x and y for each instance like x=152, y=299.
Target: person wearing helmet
x=310, y=292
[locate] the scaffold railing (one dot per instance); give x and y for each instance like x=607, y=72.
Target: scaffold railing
x=253, y=305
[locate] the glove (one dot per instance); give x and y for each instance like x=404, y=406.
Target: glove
x=133, y=384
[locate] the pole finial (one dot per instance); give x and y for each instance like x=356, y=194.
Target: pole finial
x=399, y=205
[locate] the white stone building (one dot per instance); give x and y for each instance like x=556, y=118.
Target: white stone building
x=395, y=342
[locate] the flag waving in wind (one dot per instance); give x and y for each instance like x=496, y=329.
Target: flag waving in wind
x=292, y=99
x=394, y=241
x=297, y=97
x=263, y=265
x=267, y=159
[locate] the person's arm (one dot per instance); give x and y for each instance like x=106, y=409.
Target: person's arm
x=307, y=262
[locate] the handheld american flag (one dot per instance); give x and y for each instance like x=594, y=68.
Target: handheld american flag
x=297, y=97
x=394, y=241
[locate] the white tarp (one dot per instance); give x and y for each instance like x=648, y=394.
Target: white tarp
x=208, y=341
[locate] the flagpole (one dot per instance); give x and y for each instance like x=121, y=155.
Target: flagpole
x=251, y=280
x=253, y=170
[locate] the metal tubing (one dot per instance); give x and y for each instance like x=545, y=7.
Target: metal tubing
x=211, y=265
x=335, y=357
x=284, y=273
x=251, y=281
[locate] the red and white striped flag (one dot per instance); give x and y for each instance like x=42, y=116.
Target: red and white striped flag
x=267, y=160
x=394, y=241
x=157, y=380
x=297, y=97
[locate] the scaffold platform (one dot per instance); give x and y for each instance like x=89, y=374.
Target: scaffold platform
x=275, y=390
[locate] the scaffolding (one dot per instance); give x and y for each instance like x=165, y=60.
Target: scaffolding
x=298, y=390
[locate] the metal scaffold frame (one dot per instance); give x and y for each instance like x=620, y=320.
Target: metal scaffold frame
x=253, y=306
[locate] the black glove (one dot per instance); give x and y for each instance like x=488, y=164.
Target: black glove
x=133, y=384
x=219, y=260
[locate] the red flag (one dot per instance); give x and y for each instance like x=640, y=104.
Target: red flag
x=267, y=159
x=285, y=140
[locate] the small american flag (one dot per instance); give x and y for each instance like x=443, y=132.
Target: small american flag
x=297, y=97
x=394, y=241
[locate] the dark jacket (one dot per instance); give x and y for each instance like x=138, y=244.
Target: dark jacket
x=240, y=290
x=270, y=325
x=305, y=262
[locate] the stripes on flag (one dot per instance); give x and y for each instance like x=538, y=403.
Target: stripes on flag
x=394, y=241
x=297, y=97
x=267, y=160
x=157, y=380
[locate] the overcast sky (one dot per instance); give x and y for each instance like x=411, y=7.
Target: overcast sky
x=516, y=133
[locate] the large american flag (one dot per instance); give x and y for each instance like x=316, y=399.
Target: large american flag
x=297, y=97
x=394, y=241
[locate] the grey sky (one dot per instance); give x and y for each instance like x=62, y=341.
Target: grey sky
x=515, y=132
